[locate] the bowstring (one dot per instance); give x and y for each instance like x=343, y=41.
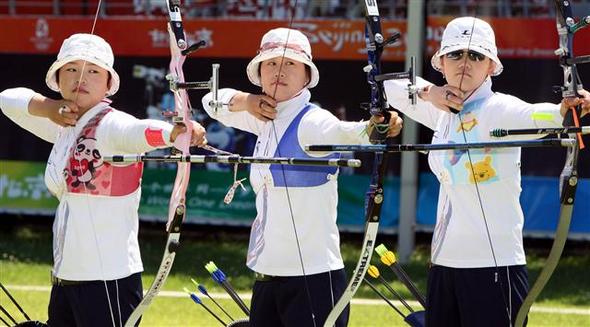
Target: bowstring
x=86, y=191
x=476, y=184
x=296, y=234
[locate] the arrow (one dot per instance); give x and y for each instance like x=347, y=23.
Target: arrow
x=219, y=277
x=203, y=290
x=374, y=272
x=388, y=258
x=383, y=297
x=14, y=301
x=197, y=300
x=8, y=315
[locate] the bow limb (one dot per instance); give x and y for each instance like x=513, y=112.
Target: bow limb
x=378, y=108
x=569, y=182
x=177, y=205
x=569, y=175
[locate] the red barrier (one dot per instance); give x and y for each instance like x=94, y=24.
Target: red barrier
x=331, y=39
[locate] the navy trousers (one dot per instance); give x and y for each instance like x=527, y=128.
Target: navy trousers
x=474, y=296
x=284, y=301
x=86, y=303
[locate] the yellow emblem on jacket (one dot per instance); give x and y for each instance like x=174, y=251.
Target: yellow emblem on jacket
x=482, y=171
x=467, y=123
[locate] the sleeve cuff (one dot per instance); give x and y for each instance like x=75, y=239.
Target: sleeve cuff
x=157, y=134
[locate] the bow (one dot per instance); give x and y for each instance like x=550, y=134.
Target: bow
x=378, y=107
x=566, y=27
x=181, y=115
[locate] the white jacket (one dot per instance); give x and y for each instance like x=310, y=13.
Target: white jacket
x=460, y=239
x=273, y=246
x=94, y=237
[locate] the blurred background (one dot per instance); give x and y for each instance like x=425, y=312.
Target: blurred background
x=32, y=32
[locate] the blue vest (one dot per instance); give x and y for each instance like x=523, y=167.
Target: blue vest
x=296, y=175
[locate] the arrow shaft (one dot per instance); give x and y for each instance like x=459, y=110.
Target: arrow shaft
x=403, y=277
x=439, y=147
x=220, y=307
x=396, y=294
x=213, y=314
x=5, y=322
x=384, y=298
x=14, y=301
x=7, y=314
x=232, y=293
x=548, y=130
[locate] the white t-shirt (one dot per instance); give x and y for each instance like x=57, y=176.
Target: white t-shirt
x=460, y=239
x=94, y=237
x=273, y=247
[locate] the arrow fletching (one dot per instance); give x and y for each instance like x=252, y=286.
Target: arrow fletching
x=215, y=272
x=200, y=287
x=387, y=257
x=373, y=271
x=196, y=298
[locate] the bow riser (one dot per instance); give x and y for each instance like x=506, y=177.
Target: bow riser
x=374, y=40
x=182, y=116
x=175, y=24
x=375, y=43
x=566, y=29
x=568, y=180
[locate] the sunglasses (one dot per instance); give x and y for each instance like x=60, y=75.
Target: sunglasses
x=472, y=55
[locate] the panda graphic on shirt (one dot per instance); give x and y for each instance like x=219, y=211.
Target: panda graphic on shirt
x=84, y=162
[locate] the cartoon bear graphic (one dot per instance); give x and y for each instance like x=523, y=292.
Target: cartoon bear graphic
x=85, y=161
x=482, y=170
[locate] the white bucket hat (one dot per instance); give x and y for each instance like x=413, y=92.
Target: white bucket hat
x=87, y=47
x=468, y=33
x=281, y=42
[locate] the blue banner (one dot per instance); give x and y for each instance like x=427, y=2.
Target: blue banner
x=539, y=200
x=22, y=191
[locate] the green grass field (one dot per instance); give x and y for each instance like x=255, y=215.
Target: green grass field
x=25, y=260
